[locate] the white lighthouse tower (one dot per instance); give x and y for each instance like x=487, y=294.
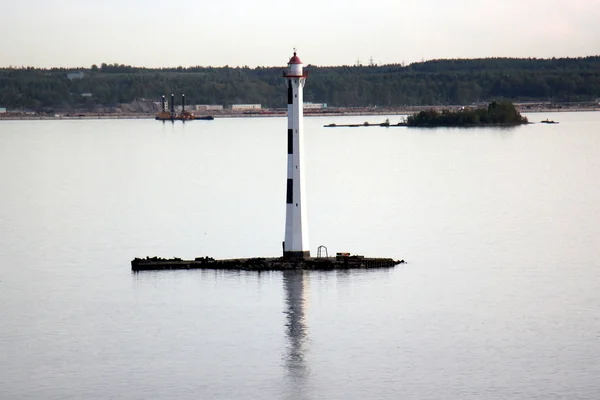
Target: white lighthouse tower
x=296, y=229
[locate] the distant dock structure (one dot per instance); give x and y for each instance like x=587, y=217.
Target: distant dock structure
x=172, y=116
x=296, y=249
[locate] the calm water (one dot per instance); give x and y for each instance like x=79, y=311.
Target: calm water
x=499, y=300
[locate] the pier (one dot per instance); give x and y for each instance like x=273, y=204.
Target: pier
x=367, y=124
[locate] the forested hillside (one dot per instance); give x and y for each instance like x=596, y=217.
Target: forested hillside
x=437, y=82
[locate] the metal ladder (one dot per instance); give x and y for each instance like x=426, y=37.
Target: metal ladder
x=320, y=251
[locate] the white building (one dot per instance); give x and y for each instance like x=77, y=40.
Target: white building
x=245, y=107
x=314, y=106
x=75, y=75
x=209, y=107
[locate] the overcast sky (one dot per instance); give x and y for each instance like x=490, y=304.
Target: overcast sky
x=71, y=33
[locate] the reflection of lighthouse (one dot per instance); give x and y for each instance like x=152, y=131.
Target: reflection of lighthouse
x=295, y=301
x=296, y=229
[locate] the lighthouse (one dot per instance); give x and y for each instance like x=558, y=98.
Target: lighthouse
x=296, y=249
x=296, y=243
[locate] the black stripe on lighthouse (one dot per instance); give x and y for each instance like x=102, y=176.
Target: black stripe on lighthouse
x=290, y=141
x=290, y=94
x=290, y=191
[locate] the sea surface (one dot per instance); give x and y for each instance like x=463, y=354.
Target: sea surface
x=500, y=298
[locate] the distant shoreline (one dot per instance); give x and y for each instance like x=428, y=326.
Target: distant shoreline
x=269, y=113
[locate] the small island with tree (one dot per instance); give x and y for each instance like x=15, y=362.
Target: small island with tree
x=497, y=113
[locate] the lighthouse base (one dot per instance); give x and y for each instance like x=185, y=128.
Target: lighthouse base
x=265, y=264
x=292, y=255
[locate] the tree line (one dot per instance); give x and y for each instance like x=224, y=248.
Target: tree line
x=435, y=82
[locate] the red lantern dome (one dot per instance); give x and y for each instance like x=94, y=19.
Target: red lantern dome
x=295, y=60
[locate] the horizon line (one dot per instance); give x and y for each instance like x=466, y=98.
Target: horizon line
x=308, y=65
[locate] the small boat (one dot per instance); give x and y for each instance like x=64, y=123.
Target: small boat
x=547, y=121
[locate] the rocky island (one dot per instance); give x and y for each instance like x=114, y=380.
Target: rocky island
x=502, y=113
